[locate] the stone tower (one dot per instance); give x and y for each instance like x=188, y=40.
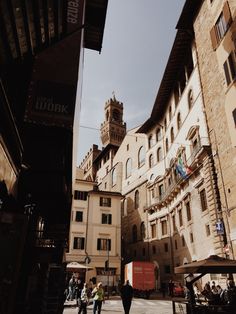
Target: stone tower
x=113, y=129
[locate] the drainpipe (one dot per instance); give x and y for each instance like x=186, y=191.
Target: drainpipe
x=87, y=259
x=226, y=210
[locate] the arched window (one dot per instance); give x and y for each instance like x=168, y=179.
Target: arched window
x=113, y=176
x=159, y=154
x=165, y=125
x=107, y=115
x=158, y=134
x=116, y=115
x=150, y=141
x=172, y=135
x=136, y=199
x=134, y=233
x=170, y=113
x=190, y=99
x=167, y=145
x=142, y=230
x=151, y=161
x=128, y=168
x=179, y=122
x=141, y=156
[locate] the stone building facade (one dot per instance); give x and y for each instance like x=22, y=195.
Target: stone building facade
x=214, y=29
x=87, y=163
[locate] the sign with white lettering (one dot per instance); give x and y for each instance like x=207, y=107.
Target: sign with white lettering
x=52, y=91
x=51, y=104
x=74, y=15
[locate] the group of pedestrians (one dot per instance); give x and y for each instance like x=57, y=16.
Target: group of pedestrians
x=75, y=286
x=98, y=296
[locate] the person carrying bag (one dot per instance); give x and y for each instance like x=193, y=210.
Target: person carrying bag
x=83, y=301
x=98, y=298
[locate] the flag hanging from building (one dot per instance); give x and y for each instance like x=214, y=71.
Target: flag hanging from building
x=182, y=168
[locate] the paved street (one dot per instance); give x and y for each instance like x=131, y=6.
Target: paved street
x=139, y=306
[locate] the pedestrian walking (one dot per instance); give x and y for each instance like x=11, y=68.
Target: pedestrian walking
x=126, y=296
x=83, y=300
x=98, y=298
x=171, y=288
x=71, y=287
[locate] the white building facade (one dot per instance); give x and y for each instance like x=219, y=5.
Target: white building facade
x=95, y=232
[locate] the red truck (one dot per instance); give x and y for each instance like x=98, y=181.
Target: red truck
x=141, y=276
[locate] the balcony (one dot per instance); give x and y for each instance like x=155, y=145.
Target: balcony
x=175, y=186
x=201, y=146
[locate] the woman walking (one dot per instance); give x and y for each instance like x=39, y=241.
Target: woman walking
x=83, y=299
x=98, y=298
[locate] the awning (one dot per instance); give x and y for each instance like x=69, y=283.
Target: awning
x=214, y=264
x=77, y=266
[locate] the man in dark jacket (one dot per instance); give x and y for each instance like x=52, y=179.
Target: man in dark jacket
x=126, y=296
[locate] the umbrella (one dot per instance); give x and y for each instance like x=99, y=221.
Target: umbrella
x=214, y=264
x=77, y=266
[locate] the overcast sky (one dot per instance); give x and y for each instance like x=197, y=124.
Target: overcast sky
x=138, y=37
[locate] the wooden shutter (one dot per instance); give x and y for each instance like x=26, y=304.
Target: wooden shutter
x=98, y=244
x=214, y=40
x=227, y=75
x=82, y=244
x=234, y=116
x=109, y=244
x=227, y=14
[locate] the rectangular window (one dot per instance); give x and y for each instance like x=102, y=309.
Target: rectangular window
x=103, y=244
x=105, y=201
x=166, y=249
x=173, y=222
x=78, y=243
x=183, y=240
x=79, y=216
x=180, y=218
x=153, y=249
x=106, y=219
x=176, y=245
x=80, y=195
x=191, y=237
x=222, y=25
x=188, y=211
x=154, y=231
x=203, y=200
x=230, y=68
x=164, y=227
x=161, y=190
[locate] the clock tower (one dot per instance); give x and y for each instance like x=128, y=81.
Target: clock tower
x=113, y=129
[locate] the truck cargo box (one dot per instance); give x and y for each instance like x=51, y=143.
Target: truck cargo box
x=141, y=276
